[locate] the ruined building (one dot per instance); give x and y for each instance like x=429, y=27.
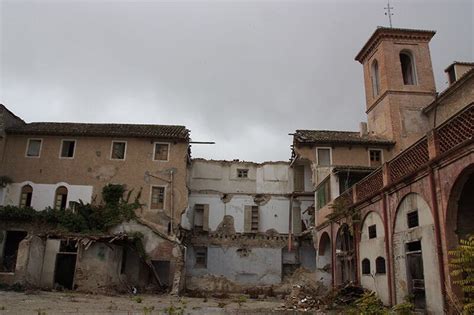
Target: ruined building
x=381, y=206
x=59, y=165
x=246, y=228
x=391, y=231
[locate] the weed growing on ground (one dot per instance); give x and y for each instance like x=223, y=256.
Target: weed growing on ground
x=148, y=310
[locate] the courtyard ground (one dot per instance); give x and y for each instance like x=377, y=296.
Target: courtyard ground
x=48, y=303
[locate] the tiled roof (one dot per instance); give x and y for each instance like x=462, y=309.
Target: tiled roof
x=105, y=130
x=341, y=137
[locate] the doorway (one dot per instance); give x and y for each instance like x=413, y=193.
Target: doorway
x=415, y=274
x=10, y=251
x=65, y=265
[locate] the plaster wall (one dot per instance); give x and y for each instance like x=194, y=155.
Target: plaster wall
x=35, y=260
x=425, y=233
x=98, y=267
x=92, y=166
x=273, y=215
x=262, y=266
x=371, y=249
x=44, y=194
x=49, y=262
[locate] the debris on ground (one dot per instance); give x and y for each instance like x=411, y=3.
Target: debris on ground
x=347, y=294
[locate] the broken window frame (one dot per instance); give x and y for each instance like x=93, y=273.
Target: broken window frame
x=155, y=145
x=67, y=157
x=198, y=208
x=242, y=173
x=318, y=162
x=255, y=219
x=163, y=201
x=202, y=251
x=26, y=197
x=112, y=150
x=373, y=161
x=372, y=231
x=28, y=144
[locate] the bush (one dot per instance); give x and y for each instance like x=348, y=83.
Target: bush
x=462, y=264
x=369, y=303
x=86, y=218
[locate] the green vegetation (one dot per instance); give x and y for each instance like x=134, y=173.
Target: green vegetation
x=462, y=266
x=86, y=218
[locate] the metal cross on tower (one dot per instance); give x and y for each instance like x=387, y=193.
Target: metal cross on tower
x=389, y=12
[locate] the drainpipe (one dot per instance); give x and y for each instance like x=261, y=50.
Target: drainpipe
x=290, y=227
x=434, y=201
x=171, y=201
x=387, y=250
x=333, y=257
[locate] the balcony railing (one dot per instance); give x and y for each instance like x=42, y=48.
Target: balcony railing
x=455, y=132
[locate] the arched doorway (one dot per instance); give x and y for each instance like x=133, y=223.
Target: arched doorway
x=345, y=256
x=460, y=213
x=415, y=255
x=324, y=260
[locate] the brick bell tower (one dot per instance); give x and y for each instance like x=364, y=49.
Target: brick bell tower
x=399, y=83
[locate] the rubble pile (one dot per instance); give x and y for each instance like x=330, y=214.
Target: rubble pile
x=347, y=295
x=302, y=299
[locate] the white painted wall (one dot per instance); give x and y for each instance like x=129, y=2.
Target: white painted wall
x=209, y=180
x=44, y=194
x=371, y=249
x=273, y=215
x=425, y=233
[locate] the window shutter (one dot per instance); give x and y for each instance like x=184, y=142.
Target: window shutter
x=205, y=218
x=248, y=219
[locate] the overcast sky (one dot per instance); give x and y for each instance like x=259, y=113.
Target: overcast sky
x=241, y=73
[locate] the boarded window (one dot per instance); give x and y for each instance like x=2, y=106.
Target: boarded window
x=375, y=157
x=67, y=149
x=26, y=196
x=373, y=231
x=323, y=194
x=412, y=219
x=299, y=178
x=34, y=148
x=324, y=157
x=161, y=151
x=366, y=266
x=201, y=257
x=157, y=197
x=380, y=265
x=60, y=201
x=118, y=150
x=242, y=173
x=198, y=216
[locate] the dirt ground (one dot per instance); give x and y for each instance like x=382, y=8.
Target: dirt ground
x=47, y=303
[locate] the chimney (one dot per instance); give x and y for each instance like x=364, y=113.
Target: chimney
x=363, y=129
x=457, y=69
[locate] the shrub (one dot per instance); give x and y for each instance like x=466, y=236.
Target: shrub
x=462, y=264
